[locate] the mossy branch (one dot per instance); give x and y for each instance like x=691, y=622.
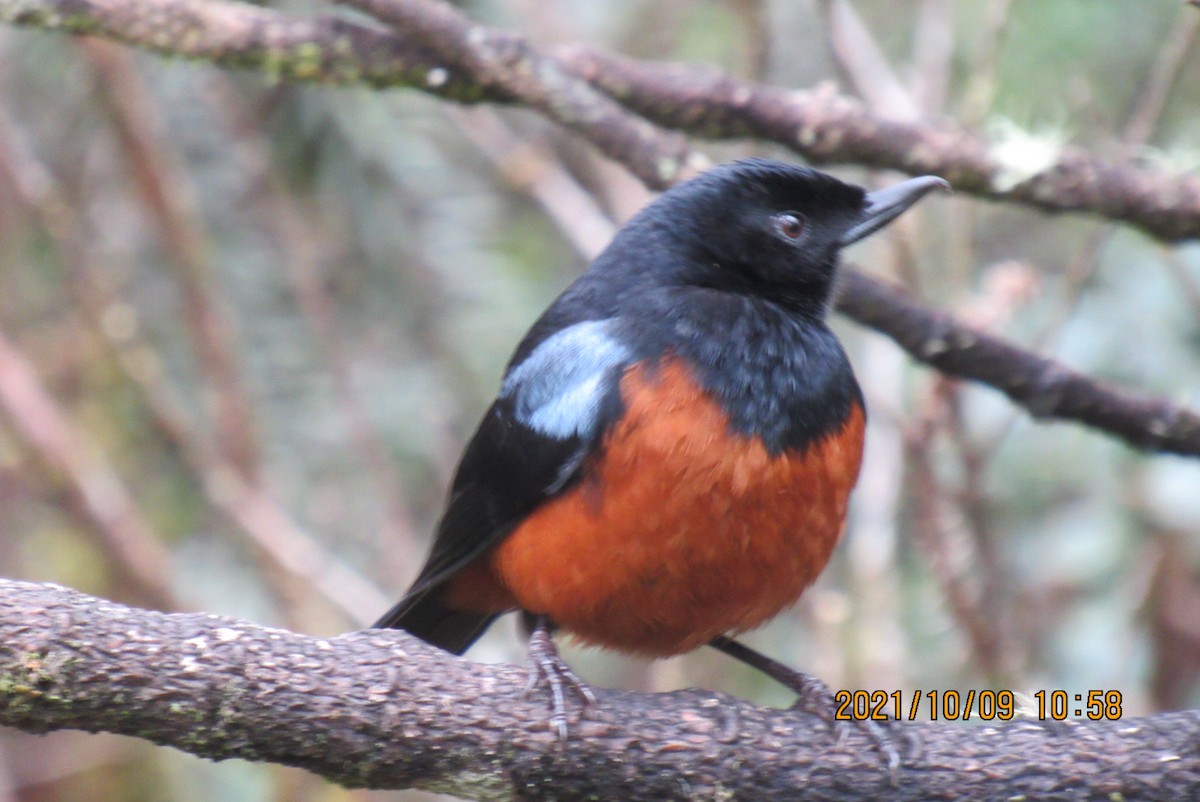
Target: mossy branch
x=383, y=710
x=433, y=47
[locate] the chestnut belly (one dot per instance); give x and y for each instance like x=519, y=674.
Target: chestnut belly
x=680, y=530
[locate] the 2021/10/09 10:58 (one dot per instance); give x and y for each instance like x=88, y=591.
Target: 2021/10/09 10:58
x=987, y=705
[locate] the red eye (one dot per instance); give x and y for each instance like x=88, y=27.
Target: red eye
x=790, y=224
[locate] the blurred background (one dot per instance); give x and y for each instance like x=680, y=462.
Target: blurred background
x=246, y=327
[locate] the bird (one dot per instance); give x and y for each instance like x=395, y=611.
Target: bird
x=669, y=458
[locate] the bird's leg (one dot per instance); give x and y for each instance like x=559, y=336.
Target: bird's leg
x=546, y=666
x=814, y=696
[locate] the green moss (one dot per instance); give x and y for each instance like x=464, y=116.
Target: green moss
x=29, y=687
x=10, y=687
x=272, y=63
x=186, y=711
x=308, y=61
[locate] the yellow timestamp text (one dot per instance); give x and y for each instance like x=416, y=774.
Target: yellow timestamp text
x=984, y=705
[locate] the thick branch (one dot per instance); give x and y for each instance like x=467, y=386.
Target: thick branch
x=436, y=49
x=323, y=49
x=504, y=63
x=1044, y=387
x=826, y=127
x=383, y=710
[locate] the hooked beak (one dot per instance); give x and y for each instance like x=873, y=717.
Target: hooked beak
x=885, y=205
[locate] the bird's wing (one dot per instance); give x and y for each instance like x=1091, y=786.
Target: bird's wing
x=553, y=409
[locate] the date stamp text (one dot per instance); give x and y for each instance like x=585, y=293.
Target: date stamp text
x=984, y=705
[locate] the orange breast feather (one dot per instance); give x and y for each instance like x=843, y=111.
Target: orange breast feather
x=682, y=530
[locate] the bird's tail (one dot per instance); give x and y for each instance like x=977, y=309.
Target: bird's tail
x=425, y=615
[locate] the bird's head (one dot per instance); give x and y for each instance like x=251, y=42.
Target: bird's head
x=772, y=229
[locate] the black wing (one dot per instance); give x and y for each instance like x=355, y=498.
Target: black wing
x=553, y=410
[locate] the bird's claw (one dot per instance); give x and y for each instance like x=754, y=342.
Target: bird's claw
x=814, y=697
x=546, y=666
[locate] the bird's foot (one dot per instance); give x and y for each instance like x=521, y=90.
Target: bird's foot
x=546, y=666
x=815, y=698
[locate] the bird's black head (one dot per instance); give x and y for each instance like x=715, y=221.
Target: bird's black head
x=769, y=229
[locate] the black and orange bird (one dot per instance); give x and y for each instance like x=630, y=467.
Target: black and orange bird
x=671, y=453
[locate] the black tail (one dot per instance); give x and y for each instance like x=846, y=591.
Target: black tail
x=423, y=614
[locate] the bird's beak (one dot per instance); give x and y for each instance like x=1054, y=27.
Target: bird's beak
x=885, y=205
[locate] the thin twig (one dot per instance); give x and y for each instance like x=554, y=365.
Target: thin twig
x=170, y=200
x=533, y=170
x=933, y=55
x=255, y=513
x=980, y=92
x=953, y=557
x=864, y=63
x=301, y=261
x=823, y=126
x=128, y=542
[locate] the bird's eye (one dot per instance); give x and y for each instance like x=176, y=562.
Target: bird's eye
x=790, y=225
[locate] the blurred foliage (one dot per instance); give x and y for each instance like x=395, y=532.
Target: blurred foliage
x=369, y=264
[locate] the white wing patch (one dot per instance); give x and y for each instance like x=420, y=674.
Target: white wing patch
x=557, y=390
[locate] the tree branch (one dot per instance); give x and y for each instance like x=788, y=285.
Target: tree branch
x=1044, y=387
x=383, y=710
x=322, y=49
x=437, y=50
x=506, y=64
x=828, y=128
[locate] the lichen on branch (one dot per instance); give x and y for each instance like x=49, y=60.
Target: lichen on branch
x=380, y=709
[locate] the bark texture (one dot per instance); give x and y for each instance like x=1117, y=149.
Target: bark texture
x=382, y=710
